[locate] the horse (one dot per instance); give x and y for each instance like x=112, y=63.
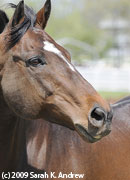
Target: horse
x=40, y=87
x=65, y=152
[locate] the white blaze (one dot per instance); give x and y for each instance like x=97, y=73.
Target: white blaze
x=50, y=47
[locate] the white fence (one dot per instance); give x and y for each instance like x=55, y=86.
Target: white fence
x=107, y=78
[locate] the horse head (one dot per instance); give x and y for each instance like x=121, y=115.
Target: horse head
x=38, y=79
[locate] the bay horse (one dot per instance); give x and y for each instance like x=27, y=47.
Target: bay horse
x=64, y=151
x=39, y=86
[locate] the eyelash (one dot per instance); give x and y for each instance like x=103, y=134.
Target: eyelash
x=35, y=61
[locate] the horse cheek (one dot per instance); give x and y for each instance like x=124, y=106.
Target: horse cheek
x=20, y=96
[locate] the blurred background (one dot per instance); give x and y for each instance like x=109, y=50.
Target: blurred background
x=97, y=34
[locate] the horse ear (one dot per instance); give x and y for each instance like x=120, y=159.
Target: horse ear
x=44, y=14
x=3, y=20
x=18, y=14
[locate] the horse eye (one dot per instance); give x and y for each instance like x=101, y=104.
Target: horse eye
x=35, y=62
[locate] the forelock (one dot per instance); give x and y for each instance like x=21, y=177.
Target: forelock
x=17, y=32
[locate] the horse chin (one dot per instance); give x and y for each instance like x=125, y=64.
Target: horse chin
x=85, y=135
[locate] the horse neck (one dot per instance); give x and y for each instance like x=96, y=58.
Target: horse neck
x=7, y=120
x=37, y=139
x=49, y=145
x=11, y=137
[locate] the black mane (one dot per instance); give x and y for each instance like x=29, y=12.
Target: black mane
x=3, y=20
x=17, y=32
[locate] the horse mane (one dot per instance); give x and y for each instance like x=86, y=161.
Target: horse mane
x=3, y=20
x=17, y=32
x=122, y=102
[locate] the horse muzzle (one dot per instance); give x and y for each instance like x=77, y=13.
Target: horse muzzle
x=99, y=125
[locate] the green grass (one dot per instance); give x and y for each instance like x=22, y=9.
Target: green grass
x=113, y=95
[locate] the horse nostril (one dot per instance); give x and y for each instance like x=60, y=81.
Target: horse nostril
x=98, y=114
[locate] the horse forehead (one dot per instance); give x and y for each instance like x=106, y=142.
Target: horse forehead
x=46, y=38
x=51, y=47
x=48, y=44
